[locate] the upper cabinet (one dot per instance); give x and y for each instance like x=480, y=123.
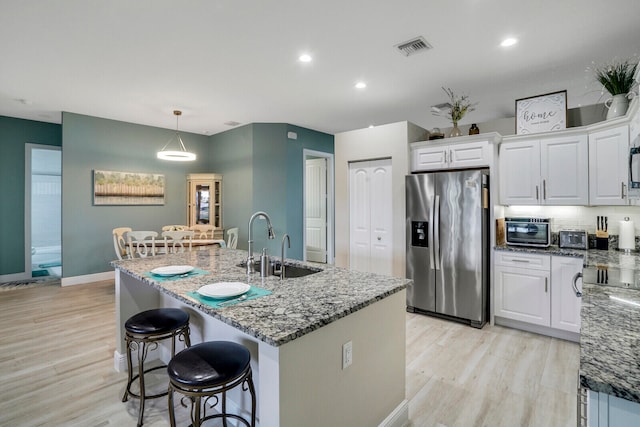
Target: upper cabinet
x=608, y=166
x=204, y=205
x=549, y=171
x=455, y=153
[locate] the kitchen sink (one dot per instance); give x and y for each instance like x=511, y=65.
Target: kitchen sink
x=290, y=270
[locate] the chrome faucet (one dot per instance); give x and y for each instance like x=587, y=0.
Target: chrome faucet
x=286, y=236
x=271, y=236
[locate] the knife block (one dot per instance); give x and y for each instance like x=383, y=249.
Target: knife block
x=602, y=240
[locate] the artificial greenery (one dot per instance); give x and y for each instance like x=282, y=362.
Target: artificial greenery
x=617, y=78
x=460, y=105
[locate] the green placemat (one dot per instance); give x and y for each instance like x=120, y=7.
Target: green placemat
x=193, y=273
x=254, y=292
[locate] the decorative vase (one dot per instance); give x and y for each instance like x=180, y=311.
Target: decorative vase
x=617, y=105
x=455, y=131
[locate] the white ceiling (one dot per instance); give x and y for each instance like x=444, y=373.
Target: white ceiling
x=236, y=60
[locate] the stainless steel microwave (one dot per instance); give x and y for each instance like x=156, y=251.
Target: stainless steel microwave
x=534, y=232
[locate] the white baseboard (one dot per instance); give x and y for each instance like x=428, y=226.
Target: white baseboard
x=119, y=362
x=88, y=278
x=399, y=417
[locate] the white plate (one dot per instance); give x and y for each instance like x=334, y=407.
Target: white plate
x=172, y=270
x=224, y=289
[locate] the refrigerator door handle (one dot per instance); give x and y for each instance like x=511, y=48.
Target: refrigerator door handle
x=430, y=242
x=436, y=232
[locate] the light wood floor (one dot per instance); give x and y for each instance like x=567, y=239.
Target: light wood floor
x=56, y=368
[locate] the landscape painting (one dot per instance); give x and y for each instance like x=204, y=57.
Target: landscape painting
x=127, y=188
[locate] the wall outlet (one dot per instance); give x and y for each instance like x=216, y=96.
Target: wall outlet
x=347, y=354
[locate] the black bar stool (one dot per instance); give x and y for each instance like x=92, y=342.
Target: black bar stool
x=207, y=370
x=142, y=333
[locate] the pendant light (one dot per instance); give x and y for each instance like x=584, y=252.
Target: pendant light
x=177, y=156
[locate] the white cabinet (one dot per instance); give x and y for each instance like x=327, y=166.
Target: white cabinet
x=538, y=290
x=522, y=287
x=565, y=305
x=608, y=166
x=549, y=171
x=450, y=156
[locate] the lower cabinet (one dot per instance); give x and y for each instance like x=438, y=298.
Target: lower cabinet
x=538, y=290
x=606, y=410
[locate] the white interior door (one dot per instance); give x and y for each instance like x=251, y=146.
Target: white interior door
x=316, y=209
x=370, y=216
x=380, y=207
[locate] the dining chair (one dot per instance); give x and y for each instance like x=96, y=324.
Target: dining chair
x=202, y=231
x=232, y=237
x=177, y=241
x=142, y=243
x=119, y=244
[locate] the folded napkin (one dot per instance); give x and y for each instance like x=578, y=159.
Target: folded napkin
x=253, y=293
x=193, y=273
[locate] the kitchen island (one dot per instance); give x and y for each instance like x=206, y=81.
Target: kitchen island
x=295, y=335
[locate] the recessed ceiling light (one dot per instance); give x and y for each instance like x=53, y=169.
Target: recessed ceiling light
x=305, y=58
x=371, y=126
x=510, y=41
x=361, y=85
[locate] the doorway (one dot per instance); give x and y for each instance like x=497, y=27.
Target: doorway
x=318, y=206
x=43, y=211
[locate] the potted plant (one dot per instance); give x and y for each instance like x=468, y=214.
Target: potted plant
x=455, y=110
x=618, y=80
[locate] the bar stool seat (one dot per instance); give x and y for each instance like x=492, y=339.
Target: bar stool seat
x=143, y=331
x=207, y=370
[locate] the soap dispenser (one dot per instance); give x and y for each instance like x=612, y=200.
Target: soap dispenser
x=264, y=263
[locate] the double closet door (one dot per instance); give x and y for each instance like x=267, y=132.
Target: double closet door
x=370, y=216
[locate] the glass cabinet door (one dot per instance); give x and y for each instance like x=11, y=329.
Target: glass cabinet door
x=202, y=205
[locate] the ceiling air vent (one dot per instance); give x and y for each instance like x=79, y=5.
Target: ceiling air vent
x=413, y=46
x=231, y=123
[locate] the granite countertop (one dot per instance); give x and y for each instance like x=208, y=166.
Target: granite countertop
x=592, y=257
x=610, y=341
x=296, y=307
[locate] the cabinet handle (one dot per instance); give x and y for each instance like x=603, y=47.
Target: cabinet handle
x=537, y=194
x=544, y=189
x=622, y=190
x=546, y=285
x=575, y=284
x=451, y=155
x=445, y=156
x=520, y=260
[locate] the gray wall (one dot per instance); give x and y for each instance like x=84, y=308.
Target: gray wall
x=93, y=143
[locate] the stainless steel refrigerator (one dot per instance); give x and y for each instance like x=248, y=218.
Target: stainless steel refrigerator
x=447, y=244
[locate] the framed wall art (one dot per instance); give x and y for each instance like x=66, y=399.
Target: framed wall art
x=542, y=113
x=127, y=188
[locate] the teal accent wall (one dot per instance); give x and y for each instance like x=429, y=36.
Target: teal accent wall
x=307, y=140
x=93, y=143
x=14, y=134
x=272, y=183
x=231, y=154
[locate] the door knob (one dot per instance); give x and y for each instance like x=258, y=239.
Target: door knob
x=379, y=238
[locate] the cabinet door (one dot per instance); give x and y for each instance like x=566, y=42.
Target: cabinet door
x=608, y=166
x=520, y=173
x=522, y=294
x=565, y=305
x=430, y=158
x=564, y=169
x=472, y=154
x=199, y=206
